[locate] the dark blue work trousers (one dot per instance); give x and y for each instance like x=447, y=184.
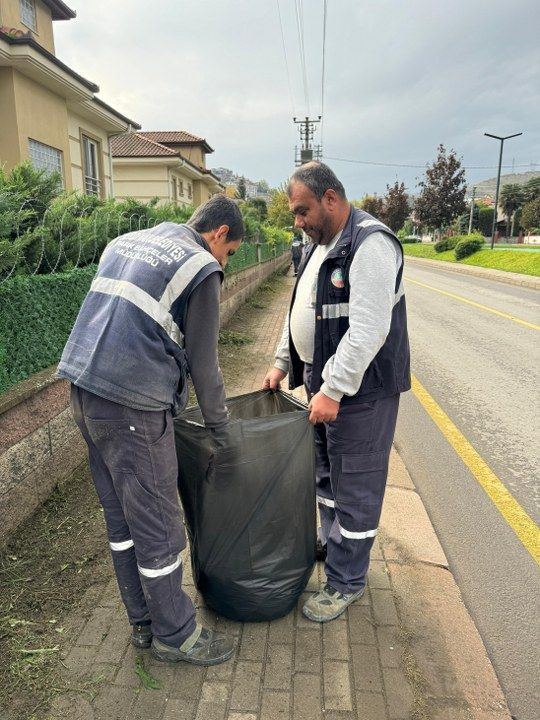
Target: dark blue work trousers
x=133, y=463
x=352, y=456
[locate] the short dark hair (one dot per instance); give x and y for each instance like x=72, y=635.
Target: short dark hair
x=218, y=210
x=319, y=178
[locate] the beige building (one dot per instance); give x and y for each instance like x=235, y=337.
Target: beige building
x=49, y=114
x=169, y=165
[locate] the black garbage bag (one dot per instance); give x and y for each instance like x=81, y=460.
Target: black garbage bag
x=250, y=505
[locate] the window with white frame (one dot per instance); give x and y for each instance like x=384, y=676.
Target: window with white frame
x=28, y=13
x=189, y=191
x=45, y=157
x=181, y=187
x=92, y=180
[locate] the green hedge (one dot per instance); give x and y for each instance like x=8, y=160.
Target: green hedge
x=36, y=316
x=468, y=245
x=244, y=257
x=410, y=239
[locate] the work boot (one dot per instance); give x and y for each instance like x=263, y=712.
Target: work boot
x=202, y=647
x=141, y=636
x=328, y=603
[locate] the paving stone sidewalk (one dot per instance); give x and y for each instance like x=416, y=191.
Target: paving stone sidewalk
x=288, y=669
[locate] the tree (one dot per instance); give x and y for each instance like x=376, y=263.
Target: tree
x=442, y=192
x=485, y=219
x=372, y=204
x=463, y=220
x=278, y=209
x=530, y=214
x=396, y=206
x=531, y=189
x=259, y=205
x=510, y=199
x=241, y=188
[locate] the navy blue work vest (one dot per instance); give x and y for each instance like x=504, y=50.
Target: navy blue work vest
x=127, y=343
x=389, y=372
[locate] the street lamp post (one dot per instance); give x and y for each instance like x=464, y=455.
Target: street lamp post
x=502, y=139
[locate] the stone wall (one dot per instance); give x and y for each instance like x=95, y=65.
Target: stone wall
x=40, y=445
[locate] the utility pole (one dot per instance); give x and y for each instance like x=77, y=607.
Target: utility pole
x=307, y=151
x=501, y=139
x=472, y=209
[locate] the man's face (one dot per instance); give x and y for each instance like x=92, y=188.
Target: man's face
x=311, y=215
x=221, y=248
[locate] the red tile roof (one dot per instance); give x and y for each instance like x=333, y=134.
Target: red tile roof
x=136, y=145
x=177, y=137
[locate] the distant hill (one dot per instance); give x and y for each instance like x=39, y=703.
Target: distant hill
x=257, y=188
x=488, y=187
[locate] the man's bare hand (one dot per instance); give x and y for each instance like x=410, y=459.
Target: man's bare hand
x=322, y=409
x=273, y=379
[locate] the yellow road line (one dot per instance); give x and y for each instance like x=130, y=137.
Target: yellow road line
x=475, y=304
x=525, y=528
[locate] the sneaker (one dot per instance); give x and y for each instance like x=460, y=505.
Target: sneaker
x=329, y=604
x=202, y=647
x=141, y=636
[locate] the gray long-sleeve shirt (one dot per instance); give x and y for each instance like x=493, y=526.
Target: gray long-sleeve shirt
x=372, y=278
x=201, y=333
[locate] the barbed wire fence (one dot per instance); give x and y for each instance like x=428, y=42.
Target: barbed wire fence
x=50, y=245
x=77, y=237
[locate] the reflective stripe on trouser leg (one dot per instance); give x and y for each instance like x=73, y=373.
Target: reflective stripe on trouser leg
x=120, y=542
x=358, y=446
x=131, y=591
x=138, y=447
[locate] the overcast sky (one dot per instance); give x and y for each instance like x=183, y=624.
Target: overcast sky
x=401, y=77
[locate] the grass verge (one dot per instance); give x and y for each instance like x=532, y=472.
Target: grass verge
x=509, y=260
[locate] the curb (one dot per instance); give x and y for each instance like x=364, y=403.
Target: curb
x=528, y=281
x=442, y=640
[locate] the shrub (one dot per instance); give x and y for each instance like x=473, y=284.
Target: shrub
x=36, y=317
x=468, y=245
x=448, y=243
x=410, y=239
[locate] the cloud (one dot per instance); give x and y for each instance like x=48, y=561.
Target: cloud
x=400, y=78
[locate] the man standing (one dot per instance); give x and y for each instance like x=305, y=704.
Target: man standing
x=151, y=314
x=346, y=339
x=296, y=251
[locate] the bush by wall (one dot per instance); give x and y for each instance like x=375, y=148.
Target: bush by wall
x=50, y=241
x=468, y=245
x=36, y=317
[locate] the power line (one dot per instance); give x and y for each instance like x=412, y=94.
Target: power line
x=286, y=61
x=300, y=29
x=531, y=165
x=323, y=70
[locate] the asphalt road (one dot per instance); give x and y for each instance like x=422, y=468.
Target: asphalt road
x=484, y=371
